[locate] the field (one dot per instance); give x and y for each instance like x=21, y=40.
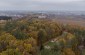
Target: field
x=70, y=21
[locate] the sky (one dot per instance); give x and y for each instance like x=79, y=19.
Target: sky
x=43, y=5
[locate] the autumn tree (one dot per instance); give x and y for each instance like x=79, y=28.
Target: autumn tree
x=41, y=37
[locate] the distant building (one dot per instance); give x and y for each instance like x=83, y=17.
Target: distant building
x=42, y=16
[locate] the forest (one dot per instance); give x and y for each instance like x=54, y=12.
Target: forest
x=34, y=36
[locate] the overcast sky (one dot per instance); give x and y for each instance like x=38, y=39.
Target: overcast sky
x=43, y=5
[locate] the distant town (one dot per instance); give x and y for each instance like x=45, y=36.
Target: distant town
x=61, y=16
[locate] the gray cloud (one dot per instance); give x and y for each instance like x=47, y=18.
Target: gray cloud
x=42, y=5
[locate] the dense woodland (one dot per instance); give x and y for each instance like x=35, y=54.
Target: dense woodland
x=5, y=18
x=29, y=36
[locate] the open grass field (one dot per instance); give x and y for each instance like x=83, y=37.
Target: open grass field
x=80, y=22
